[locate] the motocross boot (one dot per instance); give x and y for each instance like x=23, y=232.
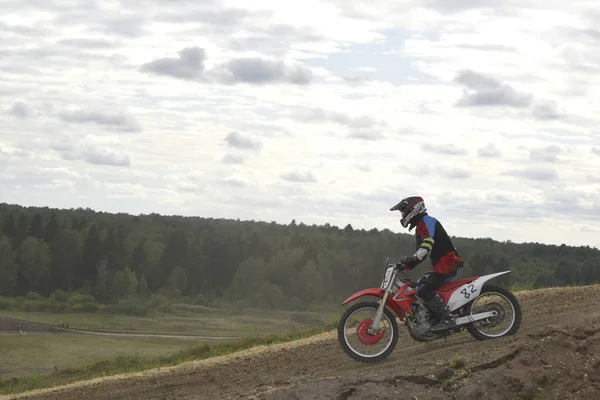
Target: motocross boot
x=443, y=319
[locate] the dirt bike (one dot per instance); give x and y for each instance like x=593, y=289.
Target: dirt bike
x=397, y=299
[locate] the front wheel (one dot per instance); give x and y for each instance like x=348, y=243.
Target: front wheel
x=367, y=348
x=507, y=320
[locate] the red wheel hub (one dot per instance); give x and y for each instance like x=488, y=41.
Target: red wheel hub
x=364, y=336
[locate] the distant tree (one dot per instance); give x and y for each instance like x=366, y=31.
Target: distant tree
x=248, y=279
x=36, y=227
x=138, y=258
x=143, y=286
x=254, y=263
x=103, y=287
x=196, y=268
x=91, y=255
x=119, y=284
x=177, y=282
x=20, y=232
x=8, y=268
x=52, y=228
x=34, y=260
x=174, y=254
x=309, y=282
x=149, y=265
x=131, y=280
x=9, y=225
x=271, y=296
x=86, y=288
x=65, y=250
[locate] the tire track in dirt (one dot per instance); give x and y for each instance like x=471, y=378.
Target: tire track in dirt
x=555, y=322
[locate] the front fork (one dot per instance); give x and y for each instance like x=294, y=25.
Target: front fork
x=372, y=330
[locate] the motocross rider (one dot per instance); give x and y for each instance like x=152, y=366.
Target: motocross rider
x=433, y=241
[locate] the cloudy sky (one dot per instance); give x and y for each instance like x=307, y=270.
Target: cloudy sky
x=322, y=111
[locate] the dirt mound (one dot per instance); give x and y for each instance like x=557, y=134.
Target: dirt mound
x=552, y=364
x=555, y=355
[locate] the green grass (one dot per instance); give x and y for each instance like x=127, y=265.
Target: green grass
x=124, y=362
x=35, y=354
x=41, y=360
x=211, y=323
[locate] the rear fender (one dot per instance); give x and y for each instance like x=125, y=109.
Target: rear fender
x=377, y=292
x=469, y=291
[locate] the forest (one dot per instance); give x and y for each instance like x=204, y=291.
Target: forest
x=108, y=258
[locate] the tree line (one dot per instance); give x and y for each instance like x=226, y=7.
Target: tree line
x=112, y=256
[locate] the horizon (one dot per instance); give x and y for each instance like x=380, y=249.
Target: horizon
x=298, y=222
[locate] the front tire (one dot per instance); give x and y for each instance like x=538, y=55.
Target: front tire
x=476, y=329
x=372, y=306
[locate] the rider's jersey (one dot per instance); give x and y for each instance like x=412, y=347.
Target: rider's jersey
x=433, y=241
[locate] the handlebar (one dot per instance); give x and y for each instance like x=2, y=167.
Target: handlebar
x=399, y=269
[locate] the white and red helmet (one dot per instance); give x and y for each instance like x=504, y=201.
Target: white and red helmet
x=410, y=207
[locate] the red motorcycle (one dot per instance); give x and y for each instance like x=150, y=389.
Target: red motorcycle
x=377, y=332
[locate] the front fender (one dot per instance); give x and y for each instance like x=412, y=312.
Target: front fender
x=377, y=292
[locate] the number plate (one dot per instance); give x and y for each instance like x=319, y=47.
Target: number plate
x=386, y=278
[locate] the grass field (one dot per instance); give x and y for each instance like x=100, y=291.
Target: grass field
x=39, y=359
x=45, y=360
x=211, y=323
x=35, y=354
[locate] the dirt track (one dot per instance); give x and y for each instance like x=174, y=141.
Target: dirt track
x=555, y=355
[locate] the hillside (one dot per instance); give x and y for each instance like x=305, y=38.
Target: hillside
x=109, y=257
x=556, y=354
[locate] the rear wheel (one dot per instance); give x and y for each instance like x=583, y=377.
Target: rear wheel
x=357, y=342
x=507, y=320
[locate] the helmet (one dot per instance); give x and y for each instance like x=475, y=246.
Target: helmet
x=411, y=208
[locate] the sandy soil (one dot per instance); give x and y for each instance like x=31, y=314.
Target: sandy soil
x=555, y=355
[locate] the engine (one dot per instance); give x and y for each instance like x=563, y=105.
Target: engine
x=420, y=317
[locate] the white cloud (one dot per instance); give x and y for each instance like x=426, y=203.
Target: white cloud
x=549, y=153
x=326, y=111
x=489, y=150
x=108, y=119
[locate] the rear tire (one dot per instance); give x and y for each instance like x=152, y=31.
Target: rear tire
x=478, y=335
x=342, y=334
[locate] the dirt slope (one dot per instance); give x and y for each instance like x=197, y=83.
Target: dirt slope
x=555, y=355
